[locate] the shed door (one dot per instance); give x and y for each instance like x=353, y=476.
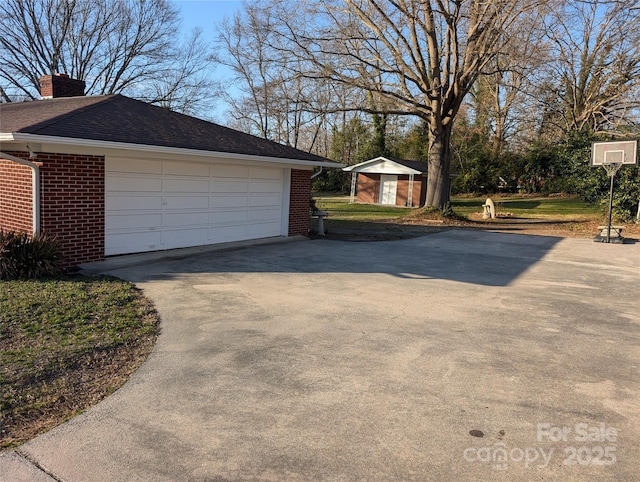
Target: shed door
x=388, y=188
x=156, y=205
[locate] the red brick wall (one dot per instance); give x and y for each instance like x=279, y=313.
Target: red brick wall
x=402, y=193
x=16, y=195
x=368, y=188
x=73, y=204
x=299, y=202
x=60, y=85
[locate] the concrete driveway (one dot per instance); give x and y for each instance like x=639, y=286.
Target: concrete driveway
x=461, y=355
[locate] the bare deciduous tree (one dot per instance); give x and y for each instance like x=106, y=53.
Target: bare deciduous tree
x=594, y=64
x=121, y=46
x=501, y=97
x=274, y=102
x=427, y=54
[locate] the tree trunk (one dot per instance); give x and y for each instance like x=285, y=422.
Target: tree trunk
x=439, y=164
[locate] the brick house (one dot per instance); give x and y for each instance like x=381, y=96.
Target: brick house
x=110, y=175
x=391, y=181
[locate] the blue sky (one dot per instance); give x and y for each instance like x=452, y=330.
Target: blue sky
x=205, y=14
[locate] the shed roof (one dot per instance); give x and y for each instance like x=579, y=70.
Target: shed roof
x=120, y=119
x=389, y=165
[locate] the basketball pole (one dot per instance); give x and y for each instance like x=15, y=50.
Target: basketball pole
x=613, y=174
x=611, y=169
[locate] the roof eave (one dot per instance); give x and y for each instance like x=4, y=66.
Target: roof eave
x=92, y=143
x=362, y=165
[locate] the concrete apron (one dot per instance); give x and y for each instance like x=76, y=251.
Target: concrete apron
x=462, y=355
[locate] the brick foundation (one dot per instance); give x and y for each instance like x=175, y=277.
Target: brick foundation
x=299, y=214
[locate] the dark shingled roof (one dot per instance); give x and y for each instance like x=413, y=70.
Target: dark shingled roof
x=417, y=165
x=116, y=118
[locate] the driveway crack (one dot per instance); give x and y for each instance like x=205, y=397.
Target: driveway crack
x=37, y=465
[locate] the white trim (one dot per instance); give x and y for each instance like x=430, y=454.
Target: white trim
x=286, y=200
x=35, y=187
x=410, y=192
x=390, y=167
x=354, y=181
x=18, y=136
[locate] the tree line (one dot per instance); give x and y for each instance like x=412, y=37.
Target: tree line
x=508, y=94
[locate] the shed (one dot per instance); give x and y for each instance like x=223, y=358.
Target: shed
x=110, y=175
x=391, y=181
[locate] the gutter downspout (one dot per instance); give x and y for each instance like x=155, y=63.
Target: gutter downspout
x=35, y=185
x=316, y=174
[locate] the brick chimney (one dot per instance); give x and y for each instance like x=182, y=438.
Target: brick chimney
x=60, y=85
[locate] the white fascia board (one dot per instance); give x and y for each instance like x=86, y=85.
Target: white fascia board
x=357, y=167
x=91, y=143
x=381, y=165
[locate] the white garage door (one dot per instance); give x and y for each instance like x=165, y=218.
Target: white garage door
x=155, y=205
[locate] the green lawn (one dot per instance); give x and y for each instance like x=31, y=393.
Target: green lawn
x=339, y=208
x=529, y=206
x=64, y=344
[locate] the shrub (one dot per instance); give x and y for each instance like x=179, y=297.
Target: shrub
x=24, y=257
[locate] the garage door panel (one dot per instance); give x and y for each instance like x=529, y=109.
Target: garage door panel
x=263, y=229
x=265, y=200
x=264, y=214
x=185, y=219
x=241, y=172
x=221, y=234
x=186, y=185
x=185, y=169
x=188, y=204
x=121, y=243
x=266, y=187
x=133, y=221
x=230, y=186
x=265, y=173
x=228, y=202
x=182, y=238
x=135, y=166
x=229, y=217
x=133, y=184
x=127, y=203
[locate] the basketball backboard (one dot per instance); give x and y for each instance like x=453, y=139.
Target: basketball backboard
x=615, y=152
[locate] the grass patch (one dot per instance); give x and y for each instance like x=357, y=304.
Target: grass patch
x=530, y=207
x=339, y=208
x=464, y=207
x=524, y=214
x=65, y=343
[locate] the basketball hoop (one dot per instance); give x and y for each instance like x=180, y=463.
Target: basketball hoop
x=612, y=168
x=612, y=156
